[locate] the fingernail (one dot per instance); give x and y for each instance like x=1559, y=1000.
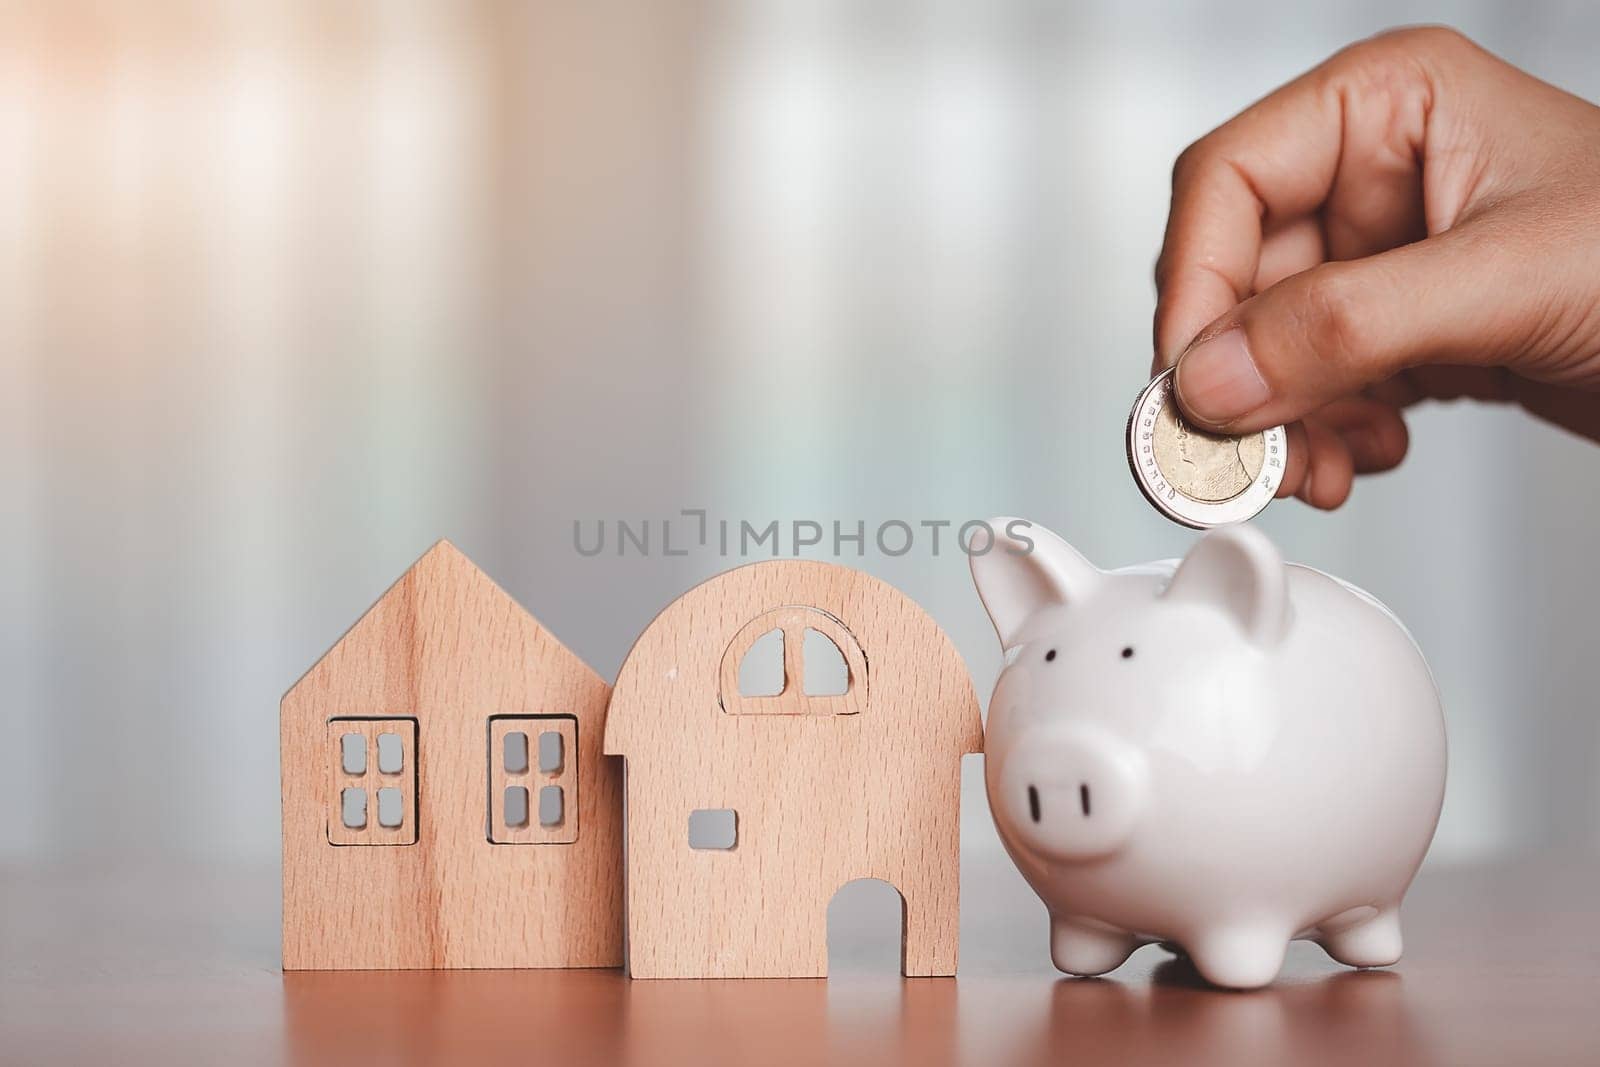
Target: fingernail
x=1217, y=381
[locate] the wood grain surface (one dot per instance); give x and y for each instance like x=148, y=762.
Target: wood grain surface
x=371, y=781
x=566, y=778
x=447, y=648
x=864, y=785
x=178, y=965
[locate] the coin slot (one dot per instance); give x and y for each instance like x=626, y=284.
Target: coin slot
x=1033, y=803
x=1083, y=798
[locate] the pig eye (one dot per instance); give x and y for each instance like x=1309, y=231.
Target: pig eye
x=1127, y=652
x=1048, y=656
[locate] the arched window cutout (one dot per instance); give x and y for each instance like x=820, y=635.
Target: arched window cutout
x=827, y=674
x=866, y=929
x=821, y=669
x=761, y=671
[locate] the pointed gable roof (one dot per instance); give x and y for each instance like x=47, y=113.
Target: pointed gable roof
x=450, y=651
x=442, y=579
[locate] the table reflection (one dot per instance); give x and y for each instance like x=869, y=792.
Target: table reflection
x=1164, y=1014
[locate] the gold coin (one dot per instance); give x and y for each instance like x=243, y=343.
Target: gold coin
x=1195, y=477
x=1205, y=466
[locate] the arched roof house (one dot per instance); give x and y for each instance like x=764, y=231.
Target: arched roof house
x=445, y=800
x=808, y=791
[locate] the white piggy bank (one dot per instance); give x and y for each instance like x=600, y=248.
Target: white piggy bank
x=1227, y=753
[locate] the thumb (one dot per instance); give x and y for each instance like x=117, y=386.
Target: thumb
x=1330, y=331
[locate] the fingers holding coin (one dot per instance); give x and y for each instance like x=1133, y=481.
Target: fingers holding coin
x=1203, y=479
x=1195, y=477
x=1355, y=435
x=1374, y=431
x=1330, y=470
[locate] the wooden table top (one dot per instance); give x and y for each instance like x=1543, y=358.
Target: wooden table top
x=1502, y=967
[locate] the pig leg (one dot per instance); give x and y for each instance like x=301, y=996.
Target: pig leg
x=1374, y=942
x=1239, y=957
x=1086, y=949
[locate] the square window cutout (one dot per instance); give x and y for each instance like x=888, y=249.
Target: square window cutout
x=390, y=754
x=372, y=781
x=550, y=805
x=516, y=801
x=353, y=808
x=550, y=747
x=391, y=810
x=516, y=752
x=713, y=828
x=353, y=754
x=533, y=780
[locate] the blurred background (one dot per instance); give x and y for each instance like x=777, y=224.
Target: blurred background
x=288, y=291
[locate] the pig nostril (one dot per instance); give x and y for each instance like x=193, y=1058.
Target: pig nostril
x=1083, y=798
x=1033, y=803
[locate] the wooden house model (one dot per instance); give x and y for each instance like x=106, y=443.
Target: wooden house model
x=445, y=799
x=801, y=791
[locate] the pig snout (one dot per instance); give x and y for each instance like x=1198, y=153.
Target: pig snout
x=1071, y=793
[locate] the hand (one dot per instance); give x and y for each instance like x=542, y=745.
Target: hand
x=1415, y=218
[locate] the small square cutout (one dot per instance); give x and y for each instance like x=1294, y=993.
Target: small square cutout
x=391, y=758
x=391, y=809
x=550, y=752
x=516, y=752
x=353, y=754
x=713, y=828
x=516, y=801
x=353, y=808
x=533, y=796
x=367, y=805
x=550, y=806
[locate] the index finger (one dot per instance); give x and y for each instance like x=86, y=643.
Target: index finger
x=1275, y=160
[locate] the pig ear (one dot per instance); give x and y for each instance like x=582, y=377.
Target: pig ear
x=1026, y=568
x=1238, y=570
